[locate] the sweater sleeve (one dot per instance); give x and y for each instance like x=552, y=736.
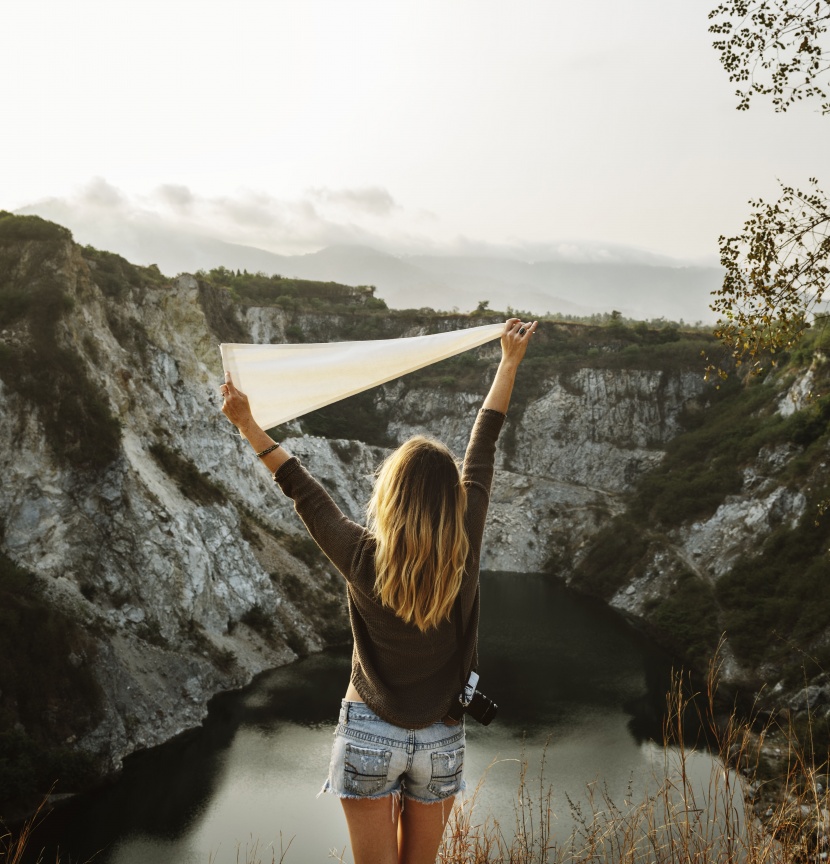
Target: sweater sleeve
x=336, y=534
x=477, y=474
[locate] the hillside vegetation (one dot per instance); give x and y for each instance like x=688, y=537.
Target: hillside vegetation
x=773, y=604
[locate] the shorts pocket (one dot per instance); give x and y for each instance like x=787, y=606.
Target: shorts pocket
x=365, y=769
x=447, y=772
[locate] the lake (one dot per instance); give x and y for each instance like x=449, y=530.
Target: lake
x=570, y=677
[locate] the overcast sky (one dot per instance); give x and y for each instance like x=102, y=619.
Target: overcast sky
x=426, y=124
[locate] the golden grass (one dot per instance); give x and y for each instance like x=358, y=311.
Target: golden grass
x=738, y=818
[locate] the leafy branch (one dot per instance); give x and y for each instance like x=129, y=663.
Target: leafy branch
x=775, y=48
x=776, y=274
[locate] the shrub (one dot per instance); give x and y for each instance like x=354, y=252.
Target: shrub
x=191, y=481
x=356, y=417
x=47, y=686
x=261, y=620
x=115, y=275
x=19, y=229
x=75, y=414
x=259, y=289
x=305, y=549
x=688, y=619
x=776, y=604
x=612, y=559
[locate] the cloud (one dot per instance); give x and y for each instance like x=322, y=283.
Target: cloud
x=99, y=193
x=161, y=226
x=108, y=217
x=178, y=198
x=369, y=199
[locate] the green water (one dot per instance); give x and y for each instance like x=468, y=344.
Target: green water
x=565, y=671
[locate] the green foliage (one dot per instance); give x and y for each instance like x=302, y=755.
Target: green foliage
x=115, y=275
x=190, y=480
x=703, y=465
x=815, y=342
x=779, y=591
x=304, y=549
x=129, y=333
x=688, y=619
x=257, y=289
x=48, y=691
x=22, y=229
x=76, y=417
x=613, y=558
x=356, y=417
x=775, y=48
x=776, y=604
x=467, y=372
x=261, y=620
x=29, y=769
x=346, y=450
x=776, y=269
x=78, y=424
x=223, y=658
x=218, y=307
x=324, y=603
x=776, y=272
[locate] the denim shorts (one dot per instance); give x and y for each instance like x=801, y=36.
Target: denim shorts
x=372, y=758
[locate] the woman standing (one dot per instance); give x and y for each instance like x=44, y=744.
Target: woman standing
x=412, y=581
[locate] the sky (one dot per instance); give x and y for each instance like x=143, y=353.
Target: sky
x=433, y=125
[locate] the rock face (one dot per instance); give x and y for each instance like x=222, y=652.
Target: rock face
x=193, y=572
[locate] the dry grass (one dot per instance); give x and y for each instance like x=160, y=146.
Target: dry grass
x=13, y=846
x=735, y=817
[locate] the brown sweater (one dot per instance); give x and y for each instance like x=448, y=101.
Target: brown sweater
x=407, y=677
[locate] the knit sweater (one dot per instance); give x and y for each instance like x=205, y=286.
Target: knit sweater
x=407, y=677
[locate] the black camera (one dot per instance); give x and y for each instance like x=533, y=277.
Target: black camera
x=474, y=703
x=482, y=709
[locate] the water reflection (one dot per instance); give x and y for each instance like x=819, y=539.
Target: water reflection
x=563, y=669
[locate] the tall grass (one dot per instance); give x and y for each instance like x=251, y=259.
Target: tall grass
x=729, y=819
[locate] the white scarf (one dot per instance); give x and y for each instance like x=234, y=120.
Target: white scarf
x=286, y=381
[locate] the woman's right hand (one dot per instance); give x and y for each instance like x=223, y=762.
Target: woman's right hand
x=235, y=407
x=515, y=338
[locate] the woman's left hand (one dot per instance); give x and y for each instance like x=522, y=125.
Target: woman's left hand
x=235, y=407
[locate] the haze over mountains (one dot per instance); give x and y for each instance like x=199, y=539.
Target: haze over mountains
x=578, y=281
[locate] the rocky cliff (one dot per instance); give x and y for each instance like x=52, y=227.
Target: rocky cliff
x=167, y=563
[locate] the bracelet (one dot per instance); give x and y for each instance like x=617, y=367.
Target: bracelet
x=266, y=451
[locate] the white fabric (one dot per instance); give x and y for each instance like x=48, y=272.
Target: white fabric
x=286, y=381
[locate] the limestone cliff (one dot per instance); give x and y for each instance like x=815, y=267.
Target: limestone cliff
x=140, y=515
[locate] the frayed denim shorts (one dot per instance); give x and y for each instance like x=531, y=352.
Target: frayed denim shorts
x=372, y=758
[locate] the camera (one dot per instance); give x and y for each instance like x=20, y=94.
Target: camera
x=474, y=703
x=482, y=709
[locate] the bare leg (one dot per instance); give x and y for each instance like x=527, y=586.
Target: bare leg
x=373, y=828
x=422, y=827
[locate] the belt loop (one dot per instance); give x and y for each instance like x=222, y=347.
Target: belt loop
x=348, y=708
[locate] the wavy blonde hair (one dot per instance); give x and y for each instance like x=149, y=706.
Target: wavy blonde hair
x=416, y=515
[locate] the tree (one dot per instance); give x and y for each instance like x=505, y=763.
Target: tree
x=771, y=45
x=777, y=267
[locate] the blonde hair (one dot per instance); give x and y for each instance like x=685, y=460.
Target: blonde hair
x=416, y=515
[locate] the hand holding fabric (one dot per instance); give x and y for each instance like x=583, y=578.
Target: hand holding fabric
x=235, y=407
x=515, y=338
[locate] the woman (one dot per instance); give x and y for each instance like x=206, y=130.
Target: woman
x=412, y=579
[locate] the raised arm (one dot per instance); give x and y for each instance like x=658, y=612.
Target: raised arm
x=238, y=411
x=513, y=346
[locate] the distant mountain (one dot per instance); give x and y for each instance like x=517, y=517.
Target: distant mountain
x=638, y=290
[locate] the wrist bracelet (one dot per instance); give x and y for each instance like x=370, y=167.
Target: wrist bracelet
x=266, y=451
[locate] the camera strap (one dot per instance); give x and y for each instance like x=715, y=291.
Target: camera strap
x=464, y=677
